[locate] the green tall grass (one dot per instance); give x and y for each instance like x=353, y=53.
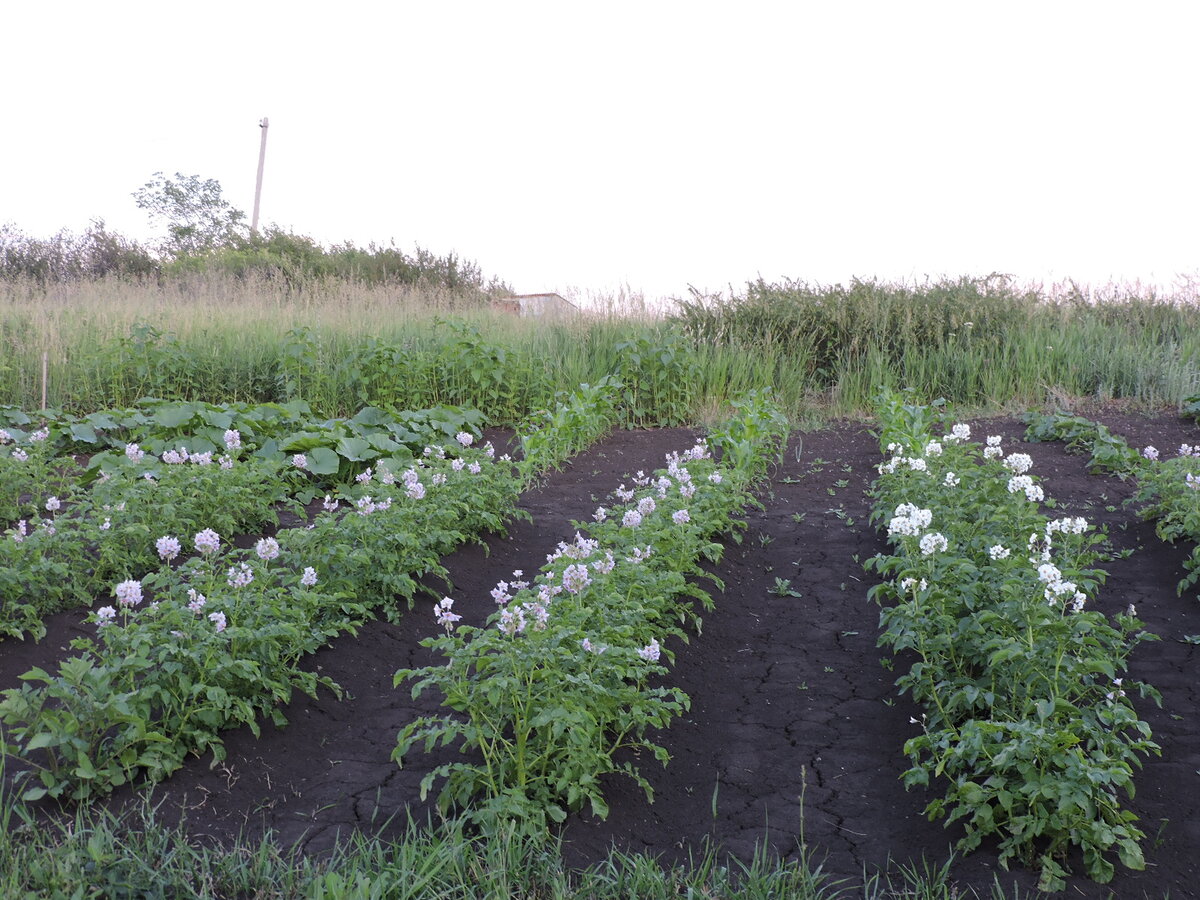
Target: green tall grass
x=982, y=343
x=341, y=344
x=98, y=854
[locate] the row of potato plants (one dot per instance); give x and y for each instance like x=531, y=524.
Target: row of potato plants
x=86, y=535
x=71, y=529
x=563, y=684
x=217, y=640
x=1168, y=481
x=334, y=449
x=1027, y=718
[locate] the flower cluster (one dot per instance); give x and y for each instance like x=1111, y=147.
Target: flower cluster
x=651, y=651
x=207, y=541
x=1033, y=492
x=128, y=593
x=933, y=542
x=240, y=575
x=196, y=601
x=909, y=520
x=443, y=613
x=267, y=549
x=575, y=578
x=168, y=548
x=960, y=432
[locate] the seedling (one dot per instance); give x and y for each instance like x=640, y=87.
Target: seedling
x=783, y=588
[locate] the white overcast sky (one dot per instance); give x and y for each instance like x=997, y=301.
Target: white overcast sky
x=655, y=144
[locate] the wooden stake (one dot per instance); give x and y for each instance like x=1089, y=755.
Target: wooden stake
x=45, y=376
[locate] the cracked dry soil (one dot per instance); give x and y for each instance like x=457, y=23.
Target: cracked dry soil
x=794, y=721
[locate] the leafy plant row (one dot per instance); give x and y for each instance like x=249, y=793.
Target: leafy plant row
x=1168, y=487
x=217, y=641
x=561, y=684
x=71, y=540
x=335, y=447
x=67, y=540
x=1027, y=718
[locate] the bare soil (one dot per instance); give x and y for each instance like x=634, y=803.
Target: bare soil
x=794, y=722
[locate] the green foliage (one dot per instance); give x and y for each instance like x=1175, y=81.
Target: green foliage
x=976, y=341
x=96, y=253
x=165, y=679
x=560, y=679
x=754, y=436
x=1168, y=489
x=1191, y=407
x=550, y=437
x=95, y=853
x=308, y=330
x=197, y=217
x=96, y=535
x=220, y=644
x=659, y=375
x=294, y=259
x=30, y=473
x=1109, y=453
x=1027, y=720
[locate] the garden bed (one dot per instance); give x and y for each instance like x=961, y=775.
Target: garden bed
x=793, y=718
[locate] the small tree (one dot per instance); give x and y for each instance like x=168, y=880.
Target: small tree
x=197, y=217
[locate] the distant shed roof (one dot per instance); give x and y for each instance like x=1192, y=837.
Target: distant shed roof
x=549, y=304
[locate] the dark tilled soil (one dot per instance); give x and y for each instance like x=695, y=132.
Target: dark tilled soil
x=794, y=720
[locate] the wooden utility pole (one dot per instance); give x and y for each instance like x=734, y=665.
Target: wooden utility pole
x=262, y=156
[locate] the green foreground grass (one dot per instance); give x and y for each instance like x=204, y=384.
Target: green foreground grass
x=980, y=343
x=98, y=855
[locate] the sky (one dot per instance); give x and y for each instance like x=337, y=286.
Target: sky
x=654, y=146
